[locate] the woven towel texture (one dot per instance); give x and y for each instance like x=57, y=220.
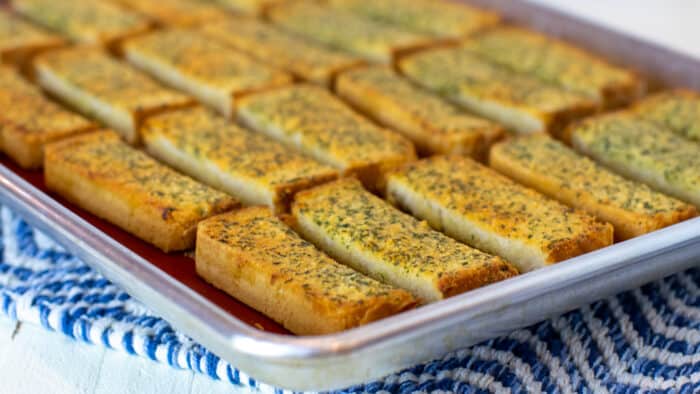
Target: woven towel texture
x=647, y=340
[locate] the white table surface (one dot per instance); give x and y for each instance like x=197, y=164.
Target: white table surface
x=33, y=360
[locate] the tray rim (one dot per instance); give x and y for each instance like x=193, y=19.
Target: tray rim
x=246, y=347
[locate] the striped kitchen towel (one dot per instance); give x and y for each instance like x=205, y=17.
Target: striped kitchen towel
x=646, y=340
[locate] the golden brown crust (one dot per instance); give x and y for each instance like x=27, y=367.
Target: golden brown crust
x=435, y=126
x=373, y=237
x=29, y=120
x=479, y=276
x=255, y=257
x=555, y=170
x=103, y=175
x=487, y=210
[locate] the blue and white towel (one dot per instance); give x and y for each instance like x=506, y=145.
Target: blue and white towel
x=647, y=340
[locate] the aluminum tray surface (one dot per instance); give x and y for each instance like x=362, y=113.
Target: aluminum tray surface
x=263, y=349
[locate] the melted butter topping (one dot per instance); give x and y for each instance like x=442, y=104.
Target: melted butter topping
x=457, y=72
x=552, y=60
x=82, y=20
x=207, y=61
x=496, y=203
x=109, y=80
x=322, y=123
x=27, y=110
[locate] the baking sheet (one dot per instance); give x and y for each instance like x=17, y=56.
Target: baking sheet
x=261, y=348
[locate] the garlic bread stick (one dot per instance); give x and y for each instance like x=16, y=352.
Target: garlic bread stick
x=306, y=60
x=84, y=21
x=557, y=171
x=104, y=88
x=559, y=63
x=253, y=256
x=248, y=7
x=434, y=125
x=247, y=165
x=312, y=120
x=642, y=150
x=105, y=176
x=366, y=233
x=29, y=120
x=677, y=110
x=520, y=102
x=20, y=40
x=437, y=18
x=180, y=13
x=346, y=31
x=208, y=70
x=484, y=209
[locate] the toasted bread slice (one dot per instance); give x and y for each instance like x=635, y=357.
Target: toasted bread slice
x=182, y=13
x=106, y=89
x=555, y=170
x=84, y=21
x=482, y=208
x=346, y=31
x=434, y=125
x=364, y=232
x=248, y=7
x=208, y=70
x=20, y=41
x=312, y=120
x=28, y=120
x=437, y=18
x=522, y=103
x=103, y=175
x=306, y=60
x=247, y=165
x=677, y=110
x=642, y=150
x=255, y=257
x=559, y=63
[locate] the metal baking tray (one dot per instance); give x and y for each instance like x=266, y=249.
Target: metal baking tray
x=261, y=348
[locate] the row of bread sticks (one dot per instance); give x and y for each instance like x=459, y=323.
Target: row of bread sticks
x=550, y=82
x=373, y=29
x=463, y=198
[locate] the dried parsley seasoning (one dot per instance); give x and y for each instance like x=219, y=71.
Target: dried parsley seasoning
x=113, y=165
x=365, y=224
x=551, y=158
x=293, y=261
x=494, y=203
x=460, y=75
x=324, y=127
x=643, y=150
x=266, y=42
x=676, y=110
x=241, y=156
